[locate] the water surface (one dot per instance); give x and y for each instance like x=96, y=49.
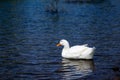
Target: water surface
x=29, y=34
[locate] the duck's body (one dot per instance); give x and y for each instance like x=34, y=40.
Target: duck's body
x=76, y=52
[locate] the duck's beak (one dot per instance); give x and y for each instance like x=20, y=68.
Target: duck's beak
x=58, y=44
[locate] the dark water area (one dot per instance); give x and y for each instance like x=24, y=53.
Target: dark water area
x=29, y=34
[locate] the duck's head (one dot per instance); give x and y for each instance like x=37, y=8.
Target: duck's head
x=63, y=42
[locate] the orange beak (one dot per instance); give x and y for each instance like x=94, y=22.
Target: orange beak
x=58, y=44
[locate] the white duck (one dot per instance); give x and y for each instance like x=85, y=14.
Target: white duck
x=76, y=52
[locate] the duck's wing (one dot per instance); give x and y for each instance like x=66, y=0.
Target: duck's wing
x=81, y=45
x=85, y=45
x=77, y=49
x=81, y=52
x=88, y=53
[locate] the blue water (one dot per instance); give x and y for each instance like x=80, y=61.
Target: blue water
x=29, y=34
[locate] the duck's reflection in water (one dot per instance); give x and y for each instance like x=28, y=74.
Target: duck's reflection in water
x=75, y=69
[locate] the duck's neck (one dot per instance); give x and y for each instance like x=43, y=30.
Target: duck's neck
x=66, y=46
